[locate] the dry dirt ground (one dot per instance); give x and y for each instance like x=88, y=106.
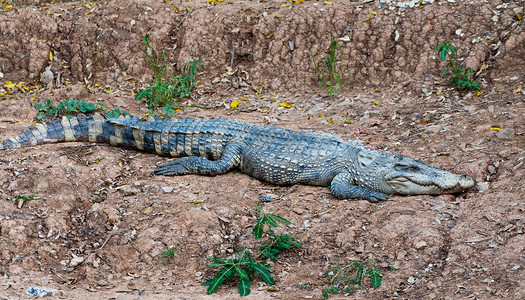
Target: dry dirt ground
x=101, y=204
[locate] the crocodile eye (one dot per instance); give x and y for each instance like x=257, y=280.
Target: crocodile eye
x=403, y=167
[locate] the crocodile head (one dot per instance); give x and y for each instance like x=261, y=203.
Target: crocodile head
x=398, y=174
x=407, y=176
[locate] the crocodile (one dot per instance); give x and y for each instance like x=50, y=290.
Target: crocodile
x=269, y=153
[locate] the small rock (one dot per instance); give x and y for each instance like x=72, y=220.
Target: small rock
x=421, y=245
x=77, y=260
x=198, y=274
x=483, y=186
x=38, y=291
x=491, y=169
x=128, y=190
x=265, y=199
x=306, y=224
x=411, y=280
x=47, y=77
x=167, y=189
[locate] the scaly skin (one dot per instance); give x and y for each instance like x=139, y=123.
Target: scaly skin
x=268, y=153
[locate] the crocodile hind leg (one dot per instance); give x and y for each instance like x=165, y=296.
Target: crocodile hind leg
x=231, y=158
x=342, y=189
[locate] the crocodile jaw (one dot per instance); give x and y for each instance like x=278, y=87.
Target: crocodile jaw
x=427, y=180
x=409, y=185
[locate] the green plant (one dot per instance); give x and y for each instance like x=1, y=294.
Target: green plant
x=462, y=77
x=165, y=87
x=170, y=253
x=23, y=198
x=278, y=243
x=243, y=266
x=350, y=276
x=304, y=286
x=70, y=106
x=331, y=73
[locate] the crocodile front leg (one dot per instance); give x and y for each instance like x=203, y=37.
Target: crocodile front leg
x=231, y=158
x=342, y=189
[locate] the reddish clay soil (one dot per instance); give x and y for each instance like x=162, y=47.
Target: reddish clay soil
x=102, y=205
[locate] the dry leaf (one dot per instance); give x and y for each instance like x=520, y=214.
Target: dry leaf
x=286, y=105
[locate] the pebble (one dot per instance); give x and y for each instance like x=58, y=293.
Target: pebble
x=167, y=189
x=411, y=280
x=77, y=260
x=38, y=291
x=483, y=186
x=421, y=245
x=265, y=199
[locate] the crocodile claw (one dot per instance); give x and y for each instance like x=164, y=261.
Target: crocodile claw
x=378, y=196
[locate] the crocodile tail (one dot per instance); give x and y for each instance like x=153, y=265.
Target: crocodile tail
x=62, y=129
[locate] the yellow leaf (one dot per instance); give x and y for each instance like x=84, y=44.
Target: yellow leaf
x=321, y=116
x=265, y=111
x=495, y=128
x=178, y=109
x=51, y=55
x=327, y=2
x=483, y=67
x=367, y=21
x=517, y=17
x=295, y=202
x=278, y=16
x=330, y=120
x=120, y=164
x=25, y=150
x=269, y=36
x=347, y=121
x=175, y=8
x=25, y=88
x=285, y=104
x=258, y=91
x=285, y=5
x=66, y=67
x=59, y=38
x=478, y=94
x=234, y=104
x=517, y=90
x=189, y=9
x=33, y=99
x=373, y=13
x=98, y=84
x=273, y=99
x=244, y=99
x=377, y=102
x=9, y=85
x=7, y=7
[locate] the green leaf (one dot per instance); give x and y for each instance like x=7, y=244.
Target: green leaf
x=217, y=280
x=142, y=93
x=258, y=228
x=375, y=276
x=270, y=221
x=264, y=274
x=279, y=219
x=244, y=286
